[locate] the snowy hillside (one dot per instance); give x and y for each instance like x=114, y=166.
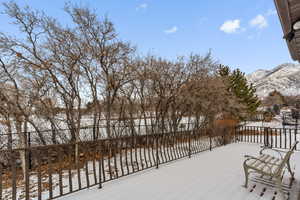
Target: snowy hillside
x=284, y=78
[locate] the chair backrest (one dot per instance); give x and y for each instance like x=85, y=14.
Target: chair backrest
x=287, y=156
x=293, y=148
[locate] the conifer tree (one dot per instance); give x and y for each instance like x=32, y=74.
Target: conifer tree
x=239, y=87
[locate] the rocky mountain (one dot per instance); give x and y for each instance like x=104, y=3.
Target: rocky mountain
x=284, y=78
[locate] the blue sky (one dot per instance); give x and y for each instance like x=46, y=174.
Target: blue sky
x=243, y=34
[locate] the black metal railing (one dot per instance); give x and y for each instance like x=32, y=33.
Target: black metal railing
x=282, y=138
x=86, y=133
x=52, y=171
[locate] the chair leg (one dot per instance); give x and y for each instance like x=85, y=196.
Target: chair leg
x=246, y=176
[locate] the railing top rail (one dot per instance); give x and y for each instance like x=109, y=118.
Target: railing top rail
x=91, y=127
x=100, y=140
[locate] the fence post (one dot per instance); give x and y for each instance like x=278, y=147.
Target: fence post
x=94, y=132
x=239, y=132
x=190, y=143
x=236, y=139
x=26, y=175
x=224, y=133
x=1, y=168
x=270, y=137
x=157, y=156
x=100, y=164
x=29, y=154
x=295, y=135
x=266, y=136
x=210, y=145
x=14, y=174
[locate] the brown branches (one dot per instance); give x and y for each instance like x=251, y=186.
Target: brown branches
x=61, y=73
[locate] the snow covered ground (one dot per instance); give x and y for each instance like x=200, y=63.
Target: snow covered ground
x=206, y=176
x=86, y=132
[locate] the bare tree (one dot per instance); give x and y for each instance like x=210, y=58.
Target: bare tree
x=109, y=67
x=50, y=72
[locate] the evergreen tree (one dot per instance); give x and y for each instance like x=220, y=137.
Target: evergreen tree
x=239, y=87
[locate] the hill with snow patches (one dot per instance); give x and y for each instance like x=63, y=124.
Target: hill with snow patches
x=284, y=78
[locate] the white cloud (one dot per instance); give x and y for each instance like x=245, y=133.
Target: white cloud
x=142, y=6
x=174, y=29
x=259, y=21
x=231, y=26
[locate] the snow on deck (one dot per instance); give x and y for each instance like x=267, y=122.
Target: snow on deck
x=209, y=175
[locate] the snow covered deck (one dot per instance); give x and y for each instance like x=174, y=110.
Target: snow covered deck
x=211, y=175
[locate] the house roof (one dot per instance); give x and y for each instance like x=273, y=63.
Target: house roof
x=289, y=13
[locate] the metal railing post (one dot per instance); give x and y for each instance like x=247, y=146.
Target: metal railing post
x=190, y=143
x=210, y=145
x=266, y=136
x=1, y=171
x=26, y=172
x=100, y=165
x=29, y=146
x=224, y=140
x=236, y=138
x=157, y=156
